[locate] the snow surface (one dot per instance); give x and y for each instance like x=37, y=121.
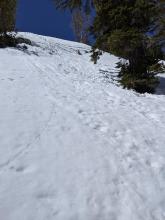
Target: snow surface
x=73, y=144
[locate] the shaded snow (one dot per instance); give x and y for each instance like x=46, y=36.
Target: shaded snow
x=74, y=145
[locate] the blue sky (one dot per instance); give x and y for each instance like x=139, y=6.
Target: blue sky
x=41, y=17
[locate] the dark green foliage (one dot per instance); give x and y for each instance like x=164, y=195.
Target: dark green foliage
x=10, y=40
x=7, y=41
x=96, y=55
x=123, y=28
x=157, y=68
x=161, y=30
x=71, y=4
x=86, y=5
x=140, y=84
x=143, y=83
x=130, y=29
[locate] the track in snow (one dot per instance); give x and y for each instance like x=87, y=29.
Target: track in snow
x=74, y=145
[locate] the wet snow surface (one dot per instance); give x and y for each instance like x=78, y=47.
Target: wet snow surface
x=74, y=145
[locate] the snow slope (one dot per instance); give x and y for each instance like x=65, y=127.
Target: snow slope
x=73, y=144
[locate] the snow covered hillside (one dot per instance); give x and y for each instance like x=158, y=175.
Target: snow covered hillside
x=73, y=144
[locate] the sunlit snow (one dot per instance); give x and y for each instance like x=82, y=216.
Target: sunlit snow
x=74, y=145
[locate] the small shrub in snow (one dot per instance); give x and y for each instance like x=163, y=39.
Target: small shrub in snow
x=11, y=40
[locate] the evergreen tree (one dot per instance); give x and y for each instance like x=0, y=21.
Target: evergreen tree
x=130, y=29
x=161, y=24
x=7, y=15
x=80, y=25
x=123, y=27
x=7, y=25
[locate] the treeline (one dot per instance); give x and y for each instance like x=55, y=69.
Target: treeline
x=131, y=29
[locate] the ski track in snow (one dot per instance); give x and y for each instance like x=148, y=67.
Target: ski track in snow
x=74, y=144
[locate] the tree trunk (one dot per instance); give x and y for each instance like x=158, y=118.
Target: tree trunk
x=137, y=63
x=7, y=15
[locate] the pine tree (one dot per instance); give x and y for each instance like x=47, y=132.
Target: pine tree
x=7, y=15
x=80, y=25
x=161, y=24
x=7, y=25
x=130, y=29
